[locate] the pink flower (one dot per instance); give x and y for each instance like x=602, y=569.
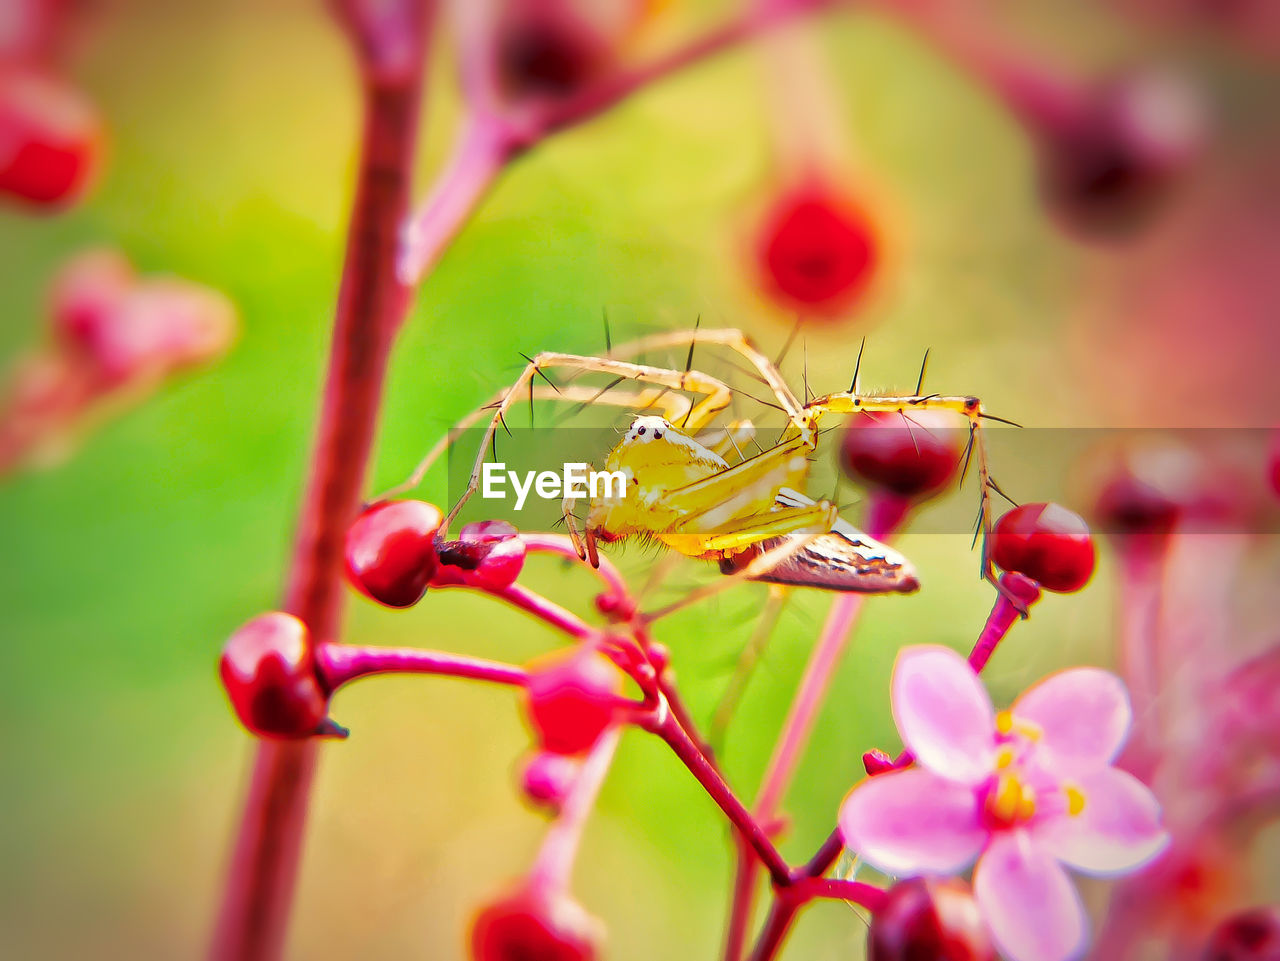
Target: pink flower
x=1024, y=792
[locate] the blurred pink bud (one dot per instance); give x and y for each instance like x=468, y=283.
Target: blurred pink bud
x=84, y=295
x=175, y=324
x=1113, y=161
x=547, y=48
x=549, y=777
x=122, y=329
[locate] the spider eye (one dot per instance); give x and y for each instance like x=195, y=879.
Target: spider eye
x=640, y=431
x=657, y=435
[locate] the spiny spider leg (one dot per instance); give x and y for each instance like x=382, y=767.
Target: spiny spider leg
x=715, y=397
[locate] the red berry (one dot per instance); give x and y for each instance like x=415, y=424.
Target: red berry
x=1128, y=504
x=535, y=924
x=549, y=777
x=268, y=673
x=391, y=551
x=817, y=251
x=571, y=699
x=547, y=48
x=929, y=921
x=487, y=554
x=1109, y=169
x=914, y=460
x=1249, y=936
x=1046, y=542
x=50, y=139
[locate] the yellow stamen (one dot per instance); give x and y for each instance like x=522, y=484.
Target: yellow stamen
x=1012, y=802
x=1004, y=757
x=1026, y=804
x=1005, y=801
x=1075, y=799
x=1007, y=724
x=1032, y=732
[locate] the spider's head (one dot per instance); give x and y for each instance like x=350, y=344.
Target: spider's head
x=646, y=429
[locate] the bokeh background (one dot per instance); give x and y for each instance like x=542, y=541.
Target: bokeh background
x=231, y=134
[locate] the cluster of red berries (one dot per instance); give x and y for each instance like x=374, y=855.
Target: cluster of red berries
x=904, y=461
x=571, y=700
x=394, y=552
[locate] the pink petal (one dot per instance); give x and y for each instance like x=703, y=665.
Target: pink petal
x=1028, y=901
x=1083, y=714
x=913, y=822
x=944, y=713
x=1118, y=829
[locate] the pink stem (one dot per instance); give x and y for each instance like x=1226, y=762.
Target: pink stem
x=757, y=18
x=752, y=833
x=792, y=899
x=371, y=304
x=339, y=664
x=492, y=138
x=884, y=513
x=560, y=847
x=547, y=611
x=1140, y=583
x=563, y=546
x=859, y=892
x=825, y=856
x=1040, y=95
x=476, y=163
x=1003, y=616
x=808, y=701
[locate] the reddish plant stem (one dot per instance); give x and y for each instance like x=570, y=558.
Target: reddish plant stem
x=494, y=136
x=1040, y=94
x=562, y=546
x=884, y=513
x=560, y=847
x=547, y=611
x=477, y=161
x=1004, y=614
x=783, y=911
x=824, y=857
x=756, y=18
x=751, y=832
x=339, y=664
x=803, y=890
x=371, y=303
